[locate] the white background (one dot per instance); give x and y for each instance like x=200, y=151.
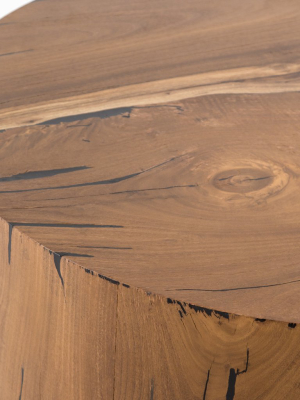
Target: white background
x=8, y=6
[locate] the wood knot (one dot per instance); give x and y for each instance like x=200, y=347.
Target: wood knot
x=243, y=180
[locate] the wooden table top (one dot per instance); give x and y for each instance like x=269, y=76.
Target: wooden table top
x=158, y=144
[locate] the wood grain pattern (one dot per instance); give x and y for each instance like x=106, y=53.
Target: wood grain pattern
x=149, y=201
x=115, y=44
x=50, y=318
x=198, y=187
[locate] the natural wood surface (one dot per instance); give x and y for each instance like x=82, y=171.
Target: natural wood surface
x=149, y=200
x=196, y=200
x=94, y=55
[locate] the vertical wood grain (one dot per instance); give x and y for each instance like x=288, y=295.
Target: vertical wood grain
x=57, y=334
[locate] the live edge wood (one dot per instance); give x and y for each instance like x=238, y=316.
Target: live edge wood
x=149, y=200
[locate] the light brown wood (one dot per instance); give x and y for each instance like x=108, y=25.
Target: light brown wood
x=149, y=201
x=49, y=326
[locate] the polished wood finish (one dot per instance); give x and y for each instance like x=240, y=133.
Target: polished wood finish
x=149, y=200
